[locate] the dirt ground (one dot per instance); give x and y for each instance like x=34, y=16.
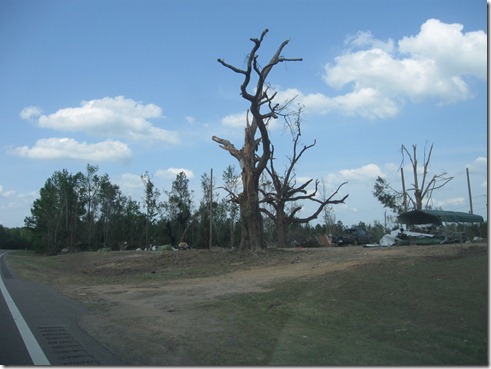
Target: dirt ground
x=158, y=296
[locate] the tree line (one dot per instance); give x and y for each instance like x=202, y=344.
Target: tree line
x=86, y=211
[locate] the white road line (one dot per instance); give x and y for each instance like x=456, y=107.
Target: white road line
x=37, y=355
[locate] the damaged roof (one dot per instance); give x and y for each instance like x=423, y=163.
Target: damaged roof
x=438, y=217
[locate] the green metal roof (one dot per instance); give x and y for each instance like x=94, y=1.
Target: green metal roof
x=438, y=217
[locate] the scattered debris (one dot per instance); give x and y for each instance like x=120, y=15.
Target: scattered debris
x=428, y=222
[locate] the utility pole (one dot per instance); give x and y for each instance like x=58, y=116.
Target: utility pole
x=404, y=189
x=211, y=208
x=469, y=188
x=385, y=221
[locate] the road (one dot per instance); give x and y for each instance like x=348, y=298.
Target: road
x=39, y=326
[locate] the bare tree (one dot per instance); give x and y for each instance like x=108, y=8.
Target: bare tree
x=254, y=155
x=423, y=189
x=285, y=190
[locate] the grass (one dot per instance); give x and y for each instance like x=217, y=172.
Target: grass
x=93, y=268
x=430, y=312
x=399, y=311
x=31, y=266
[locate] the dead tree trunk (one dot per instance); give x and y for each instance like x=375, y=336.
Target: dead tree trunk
x=254, y=155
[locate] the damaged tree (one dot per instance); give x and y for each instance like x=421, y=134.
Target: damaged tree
x=256, y=151
x=285, y=190
x=422, y=188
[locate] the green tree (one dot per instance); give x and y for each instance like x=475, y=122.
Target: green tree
x=202, y=238
x=133, y=223
x=151, y=205
x=56, y=214
x=90, y=188
x=179, y=207
x=377, y=230
x=231, y=184
x=111, y=208
x=12, y=239
x=387, y=196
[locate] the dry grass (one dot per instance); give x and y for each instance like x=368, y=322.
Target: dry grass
x=336, y=306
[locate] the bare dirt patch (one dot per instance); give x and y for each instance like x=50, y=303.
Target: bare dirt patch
x=145, y=306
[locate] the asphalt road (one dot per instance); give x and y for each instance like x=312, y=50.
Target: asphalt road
x=52, y=319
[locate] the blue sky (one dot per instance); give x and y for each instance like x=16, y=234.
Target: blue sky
x=135, y=86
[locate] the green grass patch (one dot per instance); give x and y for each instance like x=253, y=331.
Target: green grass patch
x=423, y=312
x=32, y=266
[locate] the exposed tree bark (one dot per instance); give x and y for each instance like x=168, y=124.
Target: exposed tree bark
x=286, y=192
x=423, y=190
x=256, y=151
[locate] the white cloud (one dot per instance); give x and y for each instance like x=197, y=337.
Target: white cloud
x=433, y=65
x=480, y=165
x=130, y=180
x=131, y=185
x=30, y=113
x=366, y=39
x=454, y=52
x=15, y=206
x=450, y=202
x=7, y=193
x=3, y=193
x=109, y=117
x=366, y=102
x=171, y=173
x=239, y=120
x=68, y=148
x=190, y=119
x=234, y=120
x=11, y=193
x=479, y=168
x=380, y=77
x=364, y=174
x=369, y=171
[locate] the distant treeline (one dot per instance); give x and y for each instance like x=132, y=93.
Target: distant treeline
x=86, y=211
x=14, y=238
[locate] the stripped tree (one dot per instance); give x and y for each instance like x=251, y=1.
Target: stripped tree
x=422, y=186
x=423, y=189
x=253, y=157
x=284, y=190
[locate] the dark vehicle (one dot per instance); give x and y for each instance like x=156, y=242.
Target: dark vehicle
x=353, y=236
